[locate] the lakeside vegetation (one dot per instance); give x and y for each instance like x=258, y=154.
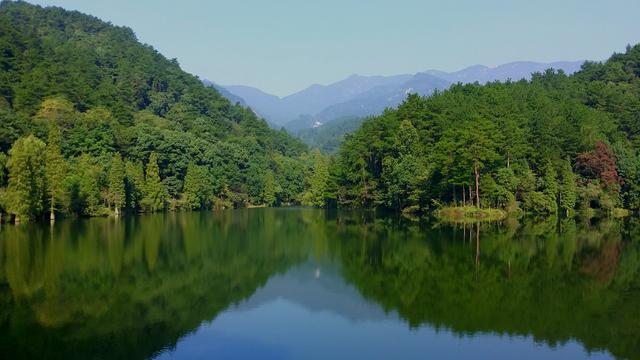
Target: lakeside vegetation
x=552, y=145
x=94, y=123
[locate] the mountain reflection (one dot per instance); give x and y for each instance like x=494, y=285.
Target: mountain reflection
x=102, y=288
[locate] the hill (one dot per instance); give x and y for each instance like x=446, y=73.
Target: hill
x=98, y=97
x=551, y=145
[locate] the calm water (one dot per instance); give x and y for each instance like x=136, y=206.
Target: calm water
x=302, y=283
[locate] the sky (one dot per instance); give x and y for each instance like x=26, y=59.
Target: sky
x=282, y=46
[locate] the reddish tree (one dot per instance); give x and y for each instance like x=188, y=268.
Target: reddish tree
x=600, y=163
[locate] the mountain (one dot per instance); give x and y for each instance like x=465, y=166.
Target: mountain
x=104, y=98
x=358, y=96
x=233, y=98
x=265, y=105
x=374, y=101
x=514, y=71
x=311, y=100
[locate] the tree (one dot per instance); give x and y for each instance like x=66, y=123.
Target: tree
x=58, y=112
x=117, y=184
x=197, y=187
x=26, y=190
x=271, y=189
x=3, y=169
x=478, y=146
x=568, y=193
x=155, y=193
x=550, y=185
x=55, y=170
x=600, y=163
x=134, y=184
x=317, y=180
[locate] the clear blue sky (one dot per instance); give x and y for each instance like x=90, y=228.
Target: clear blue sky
x=282, y=46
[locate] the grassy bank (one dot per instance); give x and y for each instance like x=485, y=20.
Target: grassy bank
x=469, y=214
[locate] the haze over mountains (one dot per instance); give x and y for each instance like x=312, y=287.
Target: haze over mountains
x=359, y=96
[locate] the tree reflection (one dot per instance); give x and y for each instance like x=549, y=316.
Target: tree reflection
x=132, y=287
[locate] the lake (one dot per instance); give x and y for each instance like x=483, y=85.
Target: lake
x=306, y=283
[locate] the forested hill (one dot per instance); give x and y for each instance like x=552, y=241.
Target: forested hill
x=549, y=145
x=86, y=95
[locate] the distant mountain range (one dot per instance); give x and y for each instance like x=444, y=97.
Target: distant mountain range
x=359, y=96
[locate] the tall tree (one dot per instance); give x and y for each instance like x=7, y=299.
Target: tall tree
x=55, y=170
x=134, y=184
x=156, y=194
x=271, y=188
x=550, y=185
x=116, y=184
x=478, y=146
x=26, y=190
x=197, y=187
x=318, y=178
x=568, y=186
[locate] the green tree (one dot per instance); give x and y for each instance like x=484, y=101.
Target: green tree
x=478, y=146
x=550, y=185
x=134, y=184
x=197, y=187
x=55, y=170
x=317, y=180
x=271, y=188
x=117, y=191
x=568, y=192
x=26, y=190
x=156, y=194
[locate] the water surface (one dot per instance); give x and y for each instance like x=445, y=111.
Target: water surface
x=303, y=283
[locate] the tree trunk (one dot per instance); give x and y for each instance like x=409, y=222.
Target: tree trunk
x=454, y=195
x=117, y=212
x=475, y=169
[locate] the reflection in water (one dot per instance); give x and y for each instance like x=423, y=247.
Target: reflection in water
x=139, y=287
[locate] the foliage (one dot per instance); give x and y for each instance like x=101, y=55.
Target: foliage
x=155, y=193
x=26, y=188
x=97, y=93
x=533, y=145
x=117, y=183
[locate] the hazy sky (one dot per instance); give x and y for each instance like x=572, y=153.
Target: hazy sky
x=282, y=46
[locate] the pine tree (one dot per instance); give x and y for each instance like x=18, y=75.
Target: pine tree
x=197, y=190
x=478, y=144
x=156, y=194
x=116, y=183
x=134, y=185
x=55, y=170
x=568, y=187
x=26, y=190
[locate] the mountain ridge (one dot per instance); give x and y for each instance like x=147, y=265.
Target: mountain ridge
x=364, y=95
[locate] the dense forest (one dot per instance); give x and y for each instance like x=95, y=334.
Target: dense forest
x=92, y=122
x=551, y=145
